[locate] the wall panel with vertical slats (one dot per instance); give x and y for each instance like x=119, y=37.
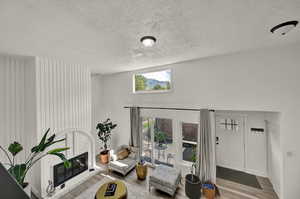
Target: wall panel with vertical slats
x=41, y=93
x=64, y=96
x=13, y=102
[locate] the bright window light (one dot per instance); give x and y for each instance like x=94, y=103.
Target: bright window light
x=157, y=81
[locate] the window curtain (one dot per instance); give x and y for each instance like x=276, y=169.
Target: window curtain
x=207, y=151
x=135, y=128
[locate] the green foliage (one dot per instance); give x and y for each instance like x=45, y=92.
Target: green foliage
x=140, y=82
x=160, y=136
x=15, y=148
x=55, y=152
x=142, y=85
x=104, y=131
x=168, y=86
x=194, y=160
x=147, y=124
x=194, y=155
x=19, y=171
x=158, y=87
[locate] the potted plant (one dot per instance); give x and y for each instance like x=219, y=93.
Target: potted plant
x=20, y=170
x=104, y=135
x=192, y=182
x=160, y=137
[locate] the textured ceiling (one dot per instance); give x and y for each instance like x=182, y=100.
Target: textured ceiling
x=104, y=34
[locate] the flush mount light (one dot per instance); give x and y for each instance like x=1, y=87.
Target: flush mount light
x=284, y=28
x=148, y=41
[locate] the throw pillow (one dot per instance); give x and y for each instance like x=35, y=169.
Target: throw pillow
x=122, y=154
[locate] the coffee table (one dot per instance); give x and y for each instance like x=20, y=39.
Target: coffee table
x=121, y=191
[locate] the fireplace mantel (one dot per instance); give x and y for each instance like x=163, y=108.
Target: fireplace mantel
x=70, y=135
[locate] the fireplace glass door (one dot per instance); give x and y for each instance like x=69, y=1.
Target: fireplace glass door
x=61, y=174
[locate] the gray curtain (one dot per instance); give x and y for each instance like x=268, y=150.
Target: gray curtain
x=135, y=128
x=207, y=153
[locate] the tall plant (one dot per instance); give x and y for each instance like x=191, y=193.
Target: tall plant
x=19, y=170
x=160, y=137
x=194, y=160
x=104, y=132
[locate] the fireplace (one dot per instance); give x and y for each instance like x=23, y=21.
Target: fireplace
x=61, y=174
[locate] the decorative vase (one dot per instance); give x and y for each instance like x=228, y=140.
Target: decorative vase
x=27, y=189
x=50, y=188
x=209, y=191
x=104, y=157
x=141, y=171
x=192, y=186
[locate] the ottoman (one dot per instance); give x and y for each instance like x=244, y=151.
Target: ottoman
x=165, y=179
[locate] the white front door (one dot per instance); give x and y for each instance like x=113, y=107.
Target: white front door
x=230, y=147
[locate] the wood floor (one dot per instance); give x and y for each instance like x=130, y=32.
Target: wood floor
x=139, y=189
x=267, y=191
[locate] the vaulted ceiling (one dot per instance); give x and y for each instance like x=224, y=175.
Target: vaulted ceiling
x=105, y=34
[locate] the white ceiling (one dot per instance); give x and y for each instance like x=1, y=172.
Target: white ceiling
x=104, y=34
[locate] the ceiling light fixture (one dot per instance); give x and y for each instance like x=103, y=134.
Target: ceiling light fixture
x=148, y=41
x=284, y=28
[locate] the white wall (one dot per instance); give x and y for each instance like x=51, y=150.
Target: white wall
x=256, y=144
x=63, y=101
x=97, y=113
x=16, y=107
x=274, y=150
x=264, y=80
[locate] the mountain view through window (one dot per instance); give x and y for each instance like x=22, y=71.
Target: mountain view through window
x=153, y=81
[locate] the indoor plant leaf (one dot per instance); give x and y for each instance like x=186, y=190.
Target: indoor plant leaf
x=15, y=148
x=58, y=150
x=67, y=163
x=18, y=171
x=42, y=142
x=104, y=135
x=51, y=143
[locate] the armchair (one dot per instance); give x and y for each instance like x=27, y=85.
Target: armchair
x=122, y=166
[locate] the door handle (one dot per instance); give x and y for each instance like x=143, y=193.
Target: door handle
x=217, y=140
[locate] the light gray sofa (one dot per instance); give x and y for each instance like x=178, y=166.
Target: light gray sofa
x=122, y=166
x=165, y=179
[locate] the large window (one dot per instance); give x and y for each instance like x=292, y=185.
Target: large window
x=189, y=141
x=158, y=81
x=158, y=146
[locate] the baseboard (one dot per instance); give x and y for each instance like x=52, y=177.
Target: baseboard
x=257, y=173
x=36, y=192
x=276, y=188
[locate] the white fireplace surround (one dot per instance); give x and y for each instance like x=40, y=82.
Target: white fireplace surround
x=75, y=181
x=73, y=131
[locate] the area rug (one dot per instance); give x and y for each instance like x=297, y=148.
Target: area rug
x=238, y=177
x=135, y=189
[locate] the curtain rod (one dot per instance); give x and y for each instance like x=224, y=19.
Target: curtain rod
x=164, y=108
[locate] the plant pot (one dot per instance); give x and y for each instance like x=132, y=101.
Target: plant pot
x=209, y=191
x=104, y=157
x=27, y=189
x=192, y=186
x=141, y=171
